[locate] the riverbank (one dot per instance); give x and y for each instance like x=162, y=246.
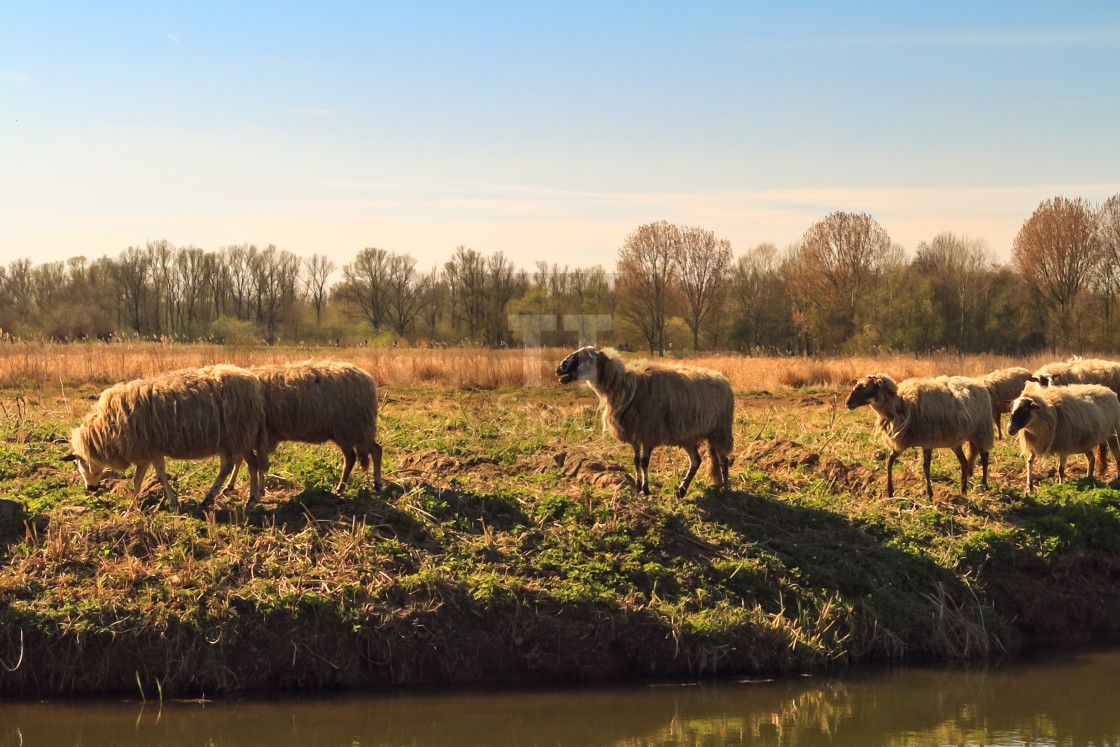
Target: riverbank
x=508, y=547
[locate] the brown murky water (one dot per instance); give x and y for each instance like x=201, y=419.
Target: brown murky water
x=1072, y=700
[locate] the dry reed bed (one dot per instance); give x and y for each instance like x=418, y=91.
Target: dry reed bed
x=45, y=365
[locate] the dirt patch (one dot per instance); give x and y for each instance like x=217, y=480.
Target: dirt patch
x=782, y=455
x=433, y=462
x=577, y=464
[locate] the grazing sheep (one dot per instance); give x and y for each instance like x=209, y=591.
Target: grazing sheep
x=1003, y=387
x=188, y=414
x=318, y=401
x=945, y=412
x=1066, y=420
x=647, y=405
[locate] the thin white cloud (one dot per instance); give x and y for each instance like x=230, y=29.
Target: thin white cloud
x=173, y=38
x=12, y=76
x=316, y=111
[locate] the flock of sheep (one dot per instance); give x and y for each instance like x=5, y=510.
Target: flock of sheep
x=241, y=414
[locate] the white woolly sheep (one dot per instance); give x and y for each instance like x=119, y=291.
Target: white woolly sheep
x=188, y=414
x=929, y=414
x=1080, y=371
x=1066, y=420
x=319, y=401
x=647, y=405
x=1003, y=387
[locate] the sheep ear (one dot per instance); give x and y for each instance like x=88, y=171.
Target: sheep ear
x=70, y=457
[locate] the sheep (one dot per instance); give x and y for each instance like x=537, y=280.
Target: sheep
x=317, y=401
x=646, y=405
x=1066, y=420
x=945, y=412
x=1003, y=387
x=1080, y=371
x=187, y=414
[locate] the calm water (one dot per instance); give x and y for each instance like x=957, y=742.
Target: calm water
x=1071, y=701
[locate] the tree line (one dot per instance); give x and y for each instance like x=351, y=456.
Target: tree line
x=844, y=287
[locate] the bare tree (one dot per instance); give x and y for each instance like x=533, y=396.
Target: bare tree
x=1057, y=252
x=131, y=275
x=504, y=282
x=465, y=275
x=1108, y=226
x=364, y=285
x=647, y=277
x=405, y=291
x=316, y=271
x=703, y=266
x=959, y=272
x=275, y=273
x=839, y=259
x=759, y=298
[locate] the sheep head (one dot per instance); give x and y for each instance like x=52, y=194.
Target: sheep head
x=870, y=389
x=1023, y=411
x=582, y=365
x=91, y=470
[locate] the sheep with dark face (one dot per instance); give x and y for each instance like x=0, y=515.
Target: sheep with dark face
x=1066, y=420
x=946, y=412
x=1003, y=387
x=319, y=401
x=189, y=414
x=647, y=406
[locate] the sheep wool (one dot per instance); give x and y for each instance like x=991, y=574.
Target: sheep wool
x=187, y=414
x=945, y=412
x=319, y=401
x=1081, y=371
x=1003, y=387
x=647, y=405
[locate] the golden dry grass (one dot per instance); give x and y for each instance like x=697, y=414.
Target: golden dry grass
x=45, y=365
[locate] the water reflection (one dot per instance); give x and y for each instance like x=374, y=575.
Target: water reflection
x=1066, y=701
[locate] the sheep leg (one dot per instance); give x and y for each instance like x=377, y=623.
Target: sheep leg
x=927, y=459
x=966, y=468
x=984, y=469
x=891, y=459
x=349, y=456
x=161, y=473
x=1061, y=469
x=233, y=478
x=138, y=481
x=1114, y=444
x=1030, y=473
x=376, y=454
x=638, y=484
x=1092, y=460
x=693, y=465
x=1102, y=458
x=225, y=467
x=647, y=452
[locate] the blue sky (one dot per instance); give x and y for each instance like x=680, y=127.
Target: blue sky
x=544, y=130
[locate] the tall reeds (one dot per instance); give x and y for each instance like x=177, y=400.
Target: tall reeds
x=46, y=365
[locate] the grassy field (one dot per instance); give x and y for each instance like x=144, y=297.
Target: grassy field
x=508, y=545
